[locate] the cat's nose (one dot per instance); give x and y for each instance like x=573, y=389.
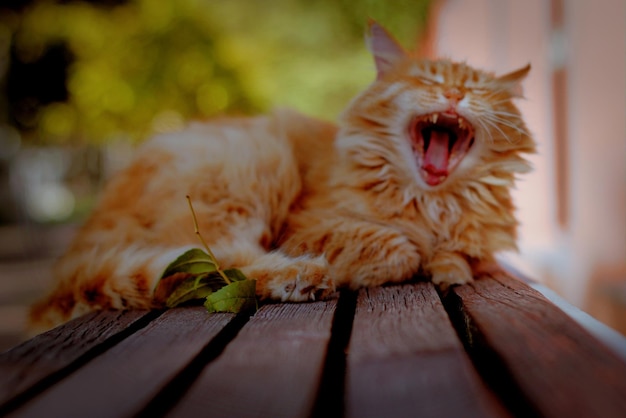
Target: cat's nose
x=454, y=94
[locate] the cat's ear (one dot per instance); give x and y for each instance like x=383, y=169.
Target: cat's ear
x=385, y=49
x=513, y=81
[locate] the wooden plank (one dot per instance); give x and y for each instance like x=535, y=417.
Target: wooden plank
x=125, y=378
x=404, y=359
x=272, y=369
x=24, y=366
x=534, y=347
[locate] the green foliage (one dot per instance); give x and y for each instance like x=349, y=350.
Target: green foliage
x=194, y=261
x=195, y=275
x=235, y=297
x=146, y=66
x=193, y=288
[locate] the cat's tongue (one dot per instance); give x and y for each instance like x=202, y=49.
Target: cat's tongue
x=436, y=158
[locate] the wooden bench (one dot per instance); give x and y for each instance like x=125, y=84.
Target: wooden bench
x=496, y=348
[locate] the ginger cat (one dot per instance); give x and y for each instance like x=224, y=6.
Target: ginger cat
x=414, y=179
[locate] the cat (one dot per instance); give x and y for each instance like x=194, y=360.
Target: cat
x=414, y=179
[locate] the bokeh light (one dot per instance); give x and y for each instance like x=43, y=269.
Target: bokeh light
x=131, y=64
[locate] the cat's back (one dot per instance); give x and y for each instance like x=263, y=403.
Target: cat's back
x=222, y=140
x=261, y=161
x=283, y=134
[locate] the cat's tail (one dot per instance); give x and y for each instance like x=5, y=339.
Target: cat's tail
x=90, y=280
x=53, y=310
x=66, y=302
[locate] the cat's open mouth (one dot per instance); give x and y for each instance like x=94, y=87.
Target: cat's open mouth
x=440, y=141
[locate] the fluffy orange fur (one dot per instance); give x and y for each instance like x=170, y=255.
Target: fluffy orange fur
x=414, y=179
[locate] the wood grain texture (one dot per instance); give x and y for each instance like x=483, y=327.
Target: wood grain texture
x=40, y=357
x=560, y=368
x=271, y=369
x=404, y=359
x=124, y=379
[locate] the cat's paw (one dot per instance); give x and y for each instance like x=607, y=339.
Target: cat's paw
x=299, y=279
x=450, y=269
x=304, y=280
x=445, y=279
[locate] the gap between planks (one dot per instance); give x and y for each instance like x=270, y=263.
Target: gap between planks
x=405, y=360
x=122, y=380
x=538, y=360
x=39, y=363
x=273, y=368
x=330, y=399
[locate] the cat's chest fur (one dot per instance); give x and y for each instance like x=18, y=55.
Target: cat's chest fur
x=335, y=184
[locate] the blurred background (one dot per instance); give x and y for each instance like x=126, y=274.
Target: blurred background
x=83, y=82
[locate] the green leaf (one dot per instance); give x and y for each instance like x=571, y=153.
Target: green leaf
x=194, y=261
x=195, y=287
x=239, y=296
x=235, y=275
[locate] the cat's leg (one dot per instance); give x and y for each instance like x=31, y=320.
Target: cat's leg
x=449, y=268
x=360, y=253
x=279, y=276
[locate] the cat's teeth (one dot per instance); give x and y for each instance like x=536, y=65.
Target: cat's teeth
x=460, y=123
x=434, y=117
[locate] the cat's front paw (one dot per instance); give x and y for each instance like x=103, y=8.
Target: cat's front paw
x=305, y=280
x=298, y=279
x=445, y=279
x=450, y=269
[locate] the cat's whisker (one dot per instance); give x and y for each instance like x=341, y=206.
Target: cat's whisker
x=485, y=129
x=506, y=117
x=494, y=116
x=495, y=125
x=517, y=129
x=509, y=124
x=493, y=102
x=505, y=113
x=498, y=91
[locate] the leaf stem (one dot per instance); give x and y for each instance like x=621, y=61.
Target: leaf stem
x=206, y=247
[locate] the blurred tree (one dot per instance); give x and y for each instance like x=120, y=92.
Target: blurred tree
x=93, y=71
